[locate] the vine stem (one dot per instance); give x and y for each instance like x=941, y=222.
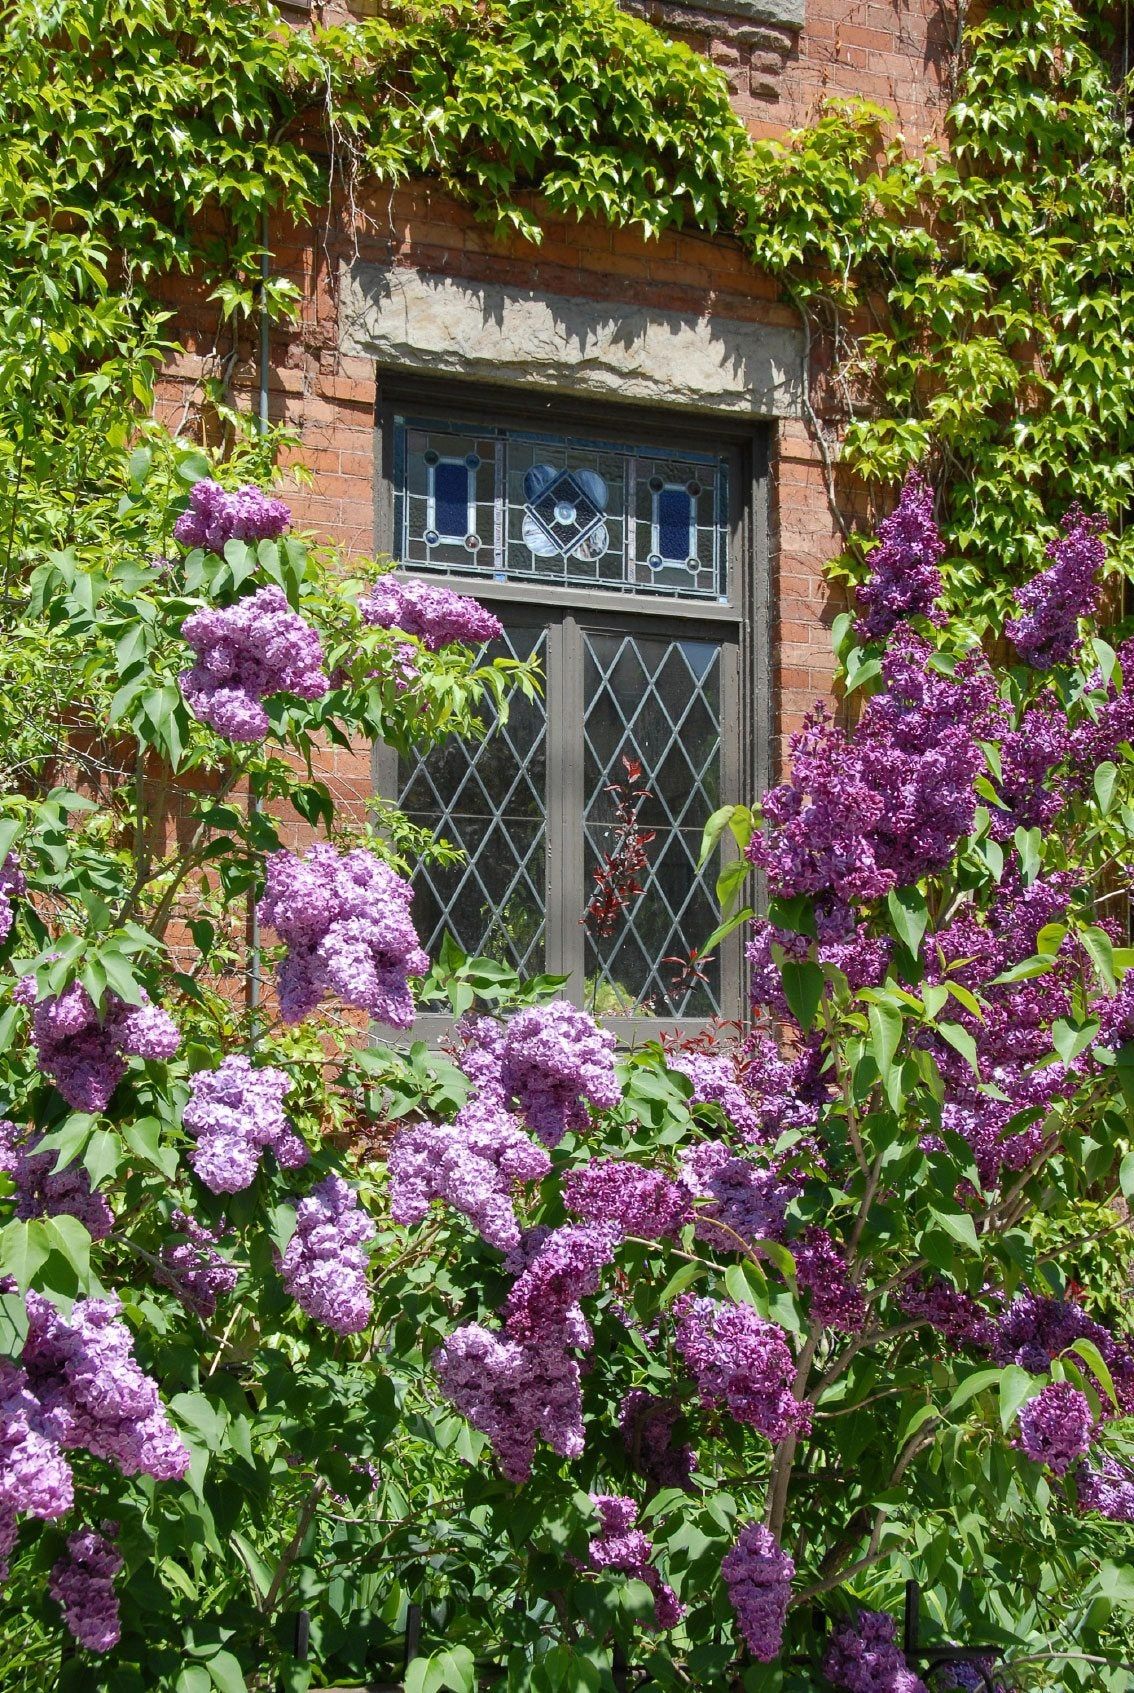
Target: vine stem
x=292, y=1549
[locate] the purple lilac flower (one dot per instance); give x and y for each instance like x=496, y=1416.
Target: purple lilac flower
x=13, y=883
x=967, y=1677
x=742, y=1361
x=637, y=1201
x=647, y=1425
x=1105, y=725
x=621, y=1546
x=758, y=1575
x=566, y=1268
x=1034, y=1330
x=787, y=1092
x=1029, y=756
x=516, y=1394
x=215, y=516
x=200, y=1274
x=862, y=958
x=84, y=1058
x=954, y=1314
x=83, y=1583
x=739, y=1198
x=471, y=1164
x=245, y=653
x=345, y=919
x=9, y=1534
x=324, y=1267
x=41, y=1191
x=1109, y=1490
x=1116, y=1015
x=34, y=1475
x=82, y=1370
x=554, y=1060
x=1055, y=1426
x=715, y=1082
x=435, y=615
x=235, y=1112
x=821, y=1271
x=864, y=1657
x=1051, y=604
x=904, y=579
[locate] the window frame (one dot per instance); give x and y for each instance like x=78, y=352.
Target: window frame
x=741, y=624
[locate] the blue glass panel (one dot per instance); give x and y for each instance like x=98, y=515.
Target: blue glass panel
x=675, y=516
x=451, y=497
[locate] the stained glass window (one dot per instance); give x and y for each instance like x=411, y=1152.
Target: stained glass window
x=520, y=505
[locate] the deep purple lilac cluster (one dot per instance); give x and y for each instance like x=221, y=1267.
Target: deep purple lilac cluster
x=345, y=918
x=214, y=516
x=82, y=1370
x=714, y=1079
x=758, y=1574
x=1109, y=1490
x=472, y=1164
x=647, y=1425
x=1056, y=1426
x=741, y=1361
x=864, y=1657
x=955, y=1315
x=245, y=653
x=13, y=883
x=638, y=1201
x=904, y=577
x=434, y=615
x=234, y=1112
x=863, y=959
x=42, y=1191
x=517, y=1394
x=1034, y=1329
x=621, y=1546
x=86, y=1058
x=788, y=1093
x=83, y=1584
x=566, y=1267
x=325, y=1264
x=821, y=1271
x=737, y=1201
x=199, y=1273
x=1051, y=604
x=1108, y=720
x=1031, y=793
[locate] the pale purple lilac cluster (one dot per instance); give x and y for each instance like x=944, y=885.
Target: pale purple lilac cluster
x=904, y=578
x=1051, y=604
x=234, y=1113
x=86, y=1058
x=640, y=1202
x=325, y=1265
x=621, y=1546
x=864, y=1657
x=214, y=516
x=743, y=1362
x=821, y=1271
x=434, y=615
x=566, y=1267
x=345, y=918
x=198, y=1272
x=647, y=1423
x=758, y=1574
x=245, y=653
x=551, y=1061
x=35, y=1477
x=515, y=1393
x=714, y=1080
x=43, y=1191
x=1056, y=1426
x=13, y=883
x=83, y=1584
x=738, y=1201
x=472, y=1164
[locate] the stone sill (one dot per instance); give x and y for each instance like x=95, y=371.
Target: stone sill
x=787, y=13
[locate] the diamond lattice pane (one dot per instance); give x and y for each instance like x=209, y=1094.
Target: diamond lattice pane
x=487, y=798
x=655, y=701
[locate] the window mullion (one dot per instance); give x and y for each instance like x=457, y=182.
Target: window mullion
x=565, y=804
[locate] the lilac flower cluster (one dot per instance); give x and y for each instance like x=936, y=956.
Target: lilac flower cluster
x=864, y=1657
x=13, y=883
x=325, y=1264
x=83, y=1584
x=471, y=1164
x=647, y=1425
x=821, y=1271
x=245, y=653
x=637, y=1201
x=758, y=1575
x=954, y=1314
x=553, y=1061
x=1056, y=1426
x=743, y=1362
x=235, y=1112
x=1106, y=723
x=214, y=517
x=436, y=616
x=788, y=1093
x=904, y=579
x=84, y=1058
x=199, y=1273
x=738, y=1198
x=1051, y=604
x=566, y=1267
x=1034, y=1329
x=1031, y=793
x=83, y=1372
x=862, y=958
x=345, y=919
x=714, y=1081
x=42, y=1191
x=35, y=1477
x=621, y=1546
x=516, y=1394
x=1109, y=1490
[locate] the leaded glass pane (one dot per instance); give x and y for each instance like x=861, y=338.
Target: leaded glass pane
x=489, y=799
x=521, y=505
x=655, y=701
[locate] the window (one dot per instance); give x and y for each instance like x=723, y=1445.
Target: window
x=623, y=551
